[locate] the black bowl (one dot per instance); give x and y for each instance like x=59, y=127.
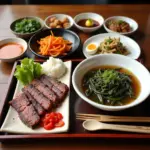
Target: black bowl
x=66, y=34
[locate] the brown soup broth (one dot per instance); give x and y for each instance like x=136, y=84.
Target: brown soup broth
x=135, y=84
x=82, y=23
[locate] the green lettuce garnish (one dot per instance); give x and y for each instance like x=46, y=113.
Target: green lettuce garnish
x=27, y=71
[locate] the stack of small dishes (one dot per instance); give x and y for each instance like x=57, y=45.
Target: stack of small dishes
x=114, y=42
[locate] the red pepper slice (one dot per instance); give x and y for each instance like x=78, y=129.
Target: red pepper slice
x=49, y=126
x=59, y=115
x=59, y=124
x=52, y=120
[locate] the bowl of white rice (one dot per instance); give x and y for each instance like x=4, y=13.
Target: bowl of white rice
x=54, y=67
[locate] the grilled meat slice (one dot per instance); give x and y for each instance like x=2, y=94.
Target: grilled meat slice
x=20, y=102
x=35, y=104
x=61, y=86
x=39, y=97
x=26, y=111
x=60, y=94
x=29, y=116
x=45, y=91
x=53, y=88
x=46, y=82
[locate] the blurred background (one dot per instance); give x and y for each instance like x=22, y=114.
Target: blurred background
x=74, y=2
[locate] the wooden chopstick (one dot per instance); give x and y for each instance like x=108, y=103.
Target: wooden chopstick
x=107, y=118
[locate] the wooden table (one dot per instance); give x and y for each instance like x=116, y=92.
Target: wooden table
x=141, y=13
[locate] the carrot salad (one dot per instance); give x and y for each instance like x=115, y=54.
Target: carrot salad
x=54, y=46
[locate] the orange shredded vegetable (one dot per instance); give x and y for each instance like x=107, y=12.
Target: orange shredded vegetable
x=54, y=46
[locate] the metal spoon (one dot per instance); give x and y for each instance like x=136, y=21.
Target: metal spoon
x=94, y=125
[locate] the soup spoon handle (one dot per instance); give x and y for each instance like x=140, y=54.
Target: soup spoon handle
x=129, y=128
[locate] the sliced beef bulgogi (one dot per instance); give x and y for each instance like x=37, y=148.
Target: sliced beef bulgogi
x=60, y=94
x=45, y=91
x=61, y=86
x=20, y=102
x=29, y=116
x=39, y=97
x=47, y=83
x=26, y=111
x=35, y=104
x=57, y=87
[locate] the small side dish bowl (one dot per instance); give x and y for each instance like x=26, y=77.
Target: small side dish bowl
x=132, y=23
x=138, y=70
x=18, y=41
x=133, y=49
x=87, y=16
x=58, y=32
x=26, y=35
x=60, y=18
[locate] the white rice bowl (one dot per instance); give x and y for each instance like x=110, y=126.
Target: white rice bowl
x=54, y=67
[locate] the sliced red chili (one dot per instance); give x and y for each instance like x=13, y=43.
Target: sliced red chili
x=59, y=124
x=52, y=120
x=59, y=115
x=49, y=126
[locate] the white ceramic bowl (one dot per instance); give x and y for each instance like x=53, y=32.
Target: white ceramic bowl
x=132, y=65
x=89, y=15
x=26, y=35
x=20, y=41
x=60, y=17
x=131, y=46
x=133, y=24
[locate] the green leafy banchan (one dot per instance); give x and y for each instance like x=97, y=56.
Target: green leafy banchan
x=27, y=26
x=109, y=86
x=27, y=71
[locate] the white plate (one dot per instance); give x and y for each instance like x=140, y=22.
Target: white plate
x=131, y=45
x=13, y=124
x=133, y=24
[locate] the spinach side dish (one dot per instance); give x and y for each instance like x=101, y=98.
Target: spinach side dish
x=27, y=26
x=110, y=85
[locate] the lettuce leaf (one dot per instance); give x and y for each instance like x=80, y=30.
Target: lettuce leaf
x=27, y=71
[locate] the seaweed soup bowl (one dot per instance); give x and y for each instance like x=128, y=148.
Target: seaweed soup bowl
x=125, y=62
